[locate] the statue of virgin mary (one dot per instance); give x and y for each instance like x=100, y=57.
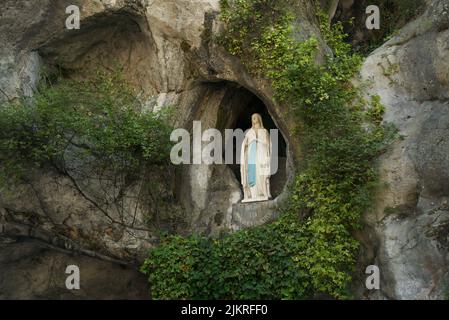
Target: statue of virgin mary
x=255, y=162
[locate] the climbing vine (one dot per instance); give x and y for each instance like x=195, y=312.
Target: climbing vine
x=309, y=250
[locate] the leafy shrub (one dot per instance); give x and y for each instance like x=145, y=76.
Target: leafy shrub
x=309, y=250
x=99, y=119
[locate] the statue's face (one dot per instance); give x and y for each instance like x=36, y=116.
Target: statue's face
x=255, y=120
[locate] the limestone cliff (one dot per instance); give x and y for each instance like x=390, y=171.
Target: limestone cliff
x=167, y=52
x=410, y=218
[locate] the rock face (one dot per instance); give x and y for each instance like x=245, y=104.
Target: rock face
x=32, y=270
x=411, y=218
x=166, y=51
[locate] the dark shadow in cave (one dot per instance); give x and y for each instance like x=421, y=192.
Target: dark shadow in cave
x=240, y=104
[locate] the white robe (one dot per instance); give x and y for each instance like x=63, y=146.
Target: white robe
x=261, y=190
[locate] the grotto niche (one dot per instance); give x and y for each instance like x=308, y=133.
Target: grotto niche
x=212, y=194
x=241, y=105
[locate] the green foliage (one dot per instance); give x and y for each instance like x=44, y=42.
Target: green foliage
x=97, y=118
x=281, y=260
x=246, y=20
x=394, y=14
x=175, y=264
x=309, y=250
x=377, y=110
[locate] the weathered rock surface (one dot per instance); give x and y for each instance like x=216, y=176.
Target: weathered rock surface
x=33, y=270
x=411, y=218
x=166, y=51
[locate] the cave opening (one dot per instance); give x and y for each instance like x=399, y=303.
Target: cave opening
x=240, y=105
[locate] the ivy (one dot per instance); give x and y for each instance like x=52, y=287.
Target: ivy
x=309, y=251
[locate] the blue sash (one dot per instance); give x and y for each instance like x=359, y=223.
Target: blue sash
x=252, y=156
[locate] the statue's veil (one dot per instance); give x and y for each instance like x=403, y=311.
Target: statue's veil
x=260, y=120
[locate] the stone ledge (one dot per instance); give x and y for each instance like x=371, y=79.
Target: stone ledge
x=245, y=215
